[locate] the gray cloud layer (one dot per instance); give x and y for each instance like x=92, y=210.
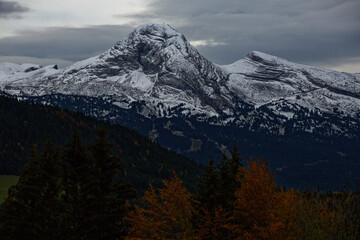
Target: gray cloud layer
x=308, y=31
x=318, y=32
x=11, y=9
x=70, y=44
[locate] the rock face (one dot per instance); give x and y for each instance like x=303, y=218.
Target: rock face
x=296, y=116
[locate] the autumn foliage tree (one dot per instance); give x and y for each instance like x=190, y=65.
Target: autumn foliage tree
x=214, y=224
x=261, y=210
x=165, y=214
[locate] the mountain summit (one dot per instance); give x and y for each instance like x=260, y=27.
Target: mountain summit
x=154, y=81
x=155, y=64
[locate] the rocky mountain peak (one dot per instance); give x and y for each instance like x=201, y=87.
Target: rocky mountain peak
x=151, y=48
x=264, y=58
x=154, y=36
x=158, y=32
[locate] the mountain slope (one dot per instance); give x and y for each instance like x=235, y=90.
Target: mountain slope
x=155, y=82
x=24, y=124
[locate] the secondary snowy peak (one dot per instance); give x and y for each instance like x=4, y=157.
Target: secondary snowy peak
x=261, y=79
x=7, y=68
x=268, y=67
x=18, y=78
x=267, y=59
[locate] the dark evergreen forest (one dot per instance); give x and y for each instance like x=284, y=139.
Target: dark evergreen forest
x=27, y=125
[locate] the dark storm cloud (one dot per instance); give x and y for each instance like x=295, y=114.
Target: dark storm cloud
x=306, y=31
x=69, y=44
x=11, y=9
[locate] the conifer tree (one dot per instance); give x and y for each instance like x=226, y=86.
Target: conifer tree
x=71, y=194
x=31, y=210
x=216, y=197
x=107, y=205
x=208, y=194
x=229, y=175
x=218, y=186
x=76, y=166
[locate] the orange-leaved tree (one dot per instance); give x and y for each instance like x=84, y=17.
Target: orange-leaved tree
x=214, y=224
x=262, y=211
x=165, y=214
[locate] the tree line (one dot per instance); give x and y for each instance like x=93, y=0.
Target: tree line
x=77, y=192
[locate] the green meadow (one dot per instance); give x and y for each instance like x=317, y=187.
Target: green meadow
x=6, y=181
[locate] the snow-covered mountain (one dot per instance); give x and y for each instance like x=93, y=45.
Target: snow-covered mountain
x=156, y=64
x=262, y=79
x=156, y=82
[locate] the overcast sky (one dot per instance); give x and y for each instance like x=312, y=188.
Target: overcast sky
x=323, y=33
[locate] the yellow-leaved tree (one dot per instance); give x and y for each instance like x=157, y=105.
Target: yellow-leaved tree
x=165, y=214
x=262, y=210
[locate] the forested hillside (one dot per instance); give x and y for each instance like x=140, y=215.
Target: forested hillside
x=72, y=192
x=25, y=125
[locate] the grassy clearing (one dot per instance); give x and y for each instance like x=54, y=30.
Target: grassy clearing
x=6, y=181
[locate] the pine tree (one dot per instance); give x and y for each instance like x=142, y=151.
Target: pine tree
x=31, y=210
x=71, y=194
x=76, y=166
x=217, y=187
x=216, y=197
x=229, y=179
x=208, y=189
x=107, y=204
